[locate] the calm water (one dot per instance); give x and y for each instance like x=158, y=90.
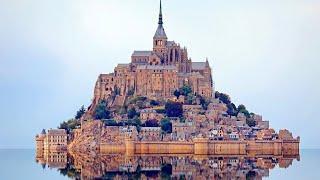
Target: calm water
x=22, y=164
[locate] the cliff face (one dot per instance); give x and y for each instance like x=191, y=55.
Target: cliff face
x=89, y=138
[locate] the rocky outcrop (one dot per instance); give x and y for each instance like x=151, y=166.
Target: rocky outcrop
x=89, y=138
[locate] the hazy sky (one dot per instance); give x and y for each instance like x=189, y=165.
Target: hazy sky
x=264, y=54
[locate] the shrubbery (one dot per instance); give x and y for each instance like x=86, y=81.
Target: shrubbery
x=173, y=109
x=101, y=111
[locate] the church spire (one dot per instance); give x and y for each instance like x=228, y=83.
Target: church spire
x=160, y=33
x=160, y=14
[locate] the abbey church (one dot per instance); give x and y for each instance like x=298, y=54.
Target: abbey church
x=156, y=73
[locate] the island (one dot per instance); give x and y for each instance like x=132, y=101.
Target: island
x=163, y=102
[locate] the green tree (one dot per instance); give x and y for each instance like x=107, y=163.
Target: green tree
x=251, y=122
x=190, y=99
x=166, y=125
x=110, y=122
x=242, y=109
x=80, y=112
x=154, y=103
x=185, y=90
x=151, y=123
x=177, y=93
x=70, y=124
x=173, y=109
x=223, y=97
x=204, y=102
x=132, y=113
x=101, y=111
x=232, y=109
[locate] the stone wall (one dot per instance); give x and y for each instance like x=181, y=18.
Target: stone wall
x=203, y=146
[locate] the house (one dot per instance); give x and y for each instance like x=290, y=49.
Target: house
x=233, y=135
x=150, y=133
x=265, y=134
x=147, y=114
x=129, y=132
x=213, y=134
x=182, y=131
x=55, y=139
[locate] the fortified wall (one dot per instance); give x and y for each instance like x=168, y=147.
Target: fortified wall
x=204, y=146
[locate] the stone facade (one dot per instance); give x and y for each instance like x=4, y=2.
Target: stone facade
x=155, y=74
x=53, y=140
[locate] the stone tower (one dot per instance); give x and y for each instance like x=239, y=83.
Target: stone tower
x=160, y=37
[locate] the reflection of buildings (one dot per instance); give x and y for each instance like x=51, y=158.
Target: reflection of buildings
x=56, y=160
x=117, y=166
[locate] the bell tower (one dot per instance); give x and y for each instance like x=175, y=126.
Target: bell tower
x=160, y=37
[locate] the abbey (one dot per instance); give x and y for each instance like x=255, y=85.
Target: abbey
x=156, y=73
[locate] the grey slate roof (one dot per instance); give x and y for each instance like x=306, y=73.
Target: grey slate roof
x=160, y=33
x=198, y=65
x=157, y=67
x=142, y=53
x=170, y=43
x=123, y=65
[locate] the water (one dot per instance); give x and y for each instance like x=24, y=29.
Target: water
x=22, y=164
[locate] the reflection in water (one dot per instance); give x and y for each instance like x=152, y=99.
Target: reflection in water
x=119, y=166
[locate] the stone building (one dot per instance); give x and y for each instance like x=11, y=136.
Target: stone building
x=53, y=140
x=183, y=130
x=148, y=114
x=150, y=133
x=155, y=73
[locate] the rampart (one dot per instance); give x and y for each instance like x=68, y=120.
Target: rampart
x=204, y=146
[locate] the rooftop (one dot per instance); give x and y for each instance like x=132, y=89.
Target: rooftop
x=198, y=65
x=157, y=67
x=142, y=53
x=57, y=132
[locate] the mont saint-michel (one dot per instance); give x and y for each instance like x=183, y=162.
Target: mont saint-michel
x=163, y=102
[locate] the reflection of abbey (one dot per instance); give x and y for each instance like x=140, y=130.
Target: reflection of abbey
x=157, y=73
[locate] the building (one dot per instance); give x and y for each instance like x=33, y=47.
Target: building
x=148, y=114
x=129, y=132
x=53, y=140
x=182, y=130
x=150, y=133
x=155, y=73
x=265, y=134
x=56, y=139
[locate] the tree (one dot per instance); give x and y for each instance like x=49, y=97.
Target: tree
x=185, y=90
x=242, y=109
x=80, y=112
x=232, y=109
x=223, y=97
x=151, y=123
x=132, y=113
x=110, y=122
x=154, y=103
x=101, y=111
x=70, y=124
x=190, y=99
x=177, y=93
x=136, y=121
x=173, y=109
x=204, y=103
x=166, y=125
x=251, y=122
